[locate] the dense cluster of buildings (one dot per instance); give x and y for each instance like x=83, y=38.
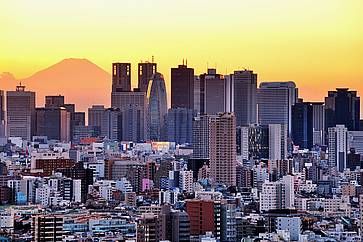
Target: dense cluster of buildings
x=227, y=161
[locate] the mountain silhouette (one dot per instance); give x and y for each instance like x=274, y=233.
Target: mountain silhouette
x=79, y=80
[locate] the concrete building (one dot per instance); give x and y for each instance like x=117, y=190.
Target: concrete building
x=318, y=123
x=222, y=148
x=338, y=147
x=272, y=196
x=277, y=142
x=290, y=224
x=121, y=77
x=275, y=101
x=111, y=124
x=245, y=94
x=201, y=216
x=47, y=228
x=20, y=108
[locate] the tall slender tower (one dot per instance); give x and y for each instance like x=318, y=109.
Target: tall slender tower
x=2, y=113
x=145, y=72
x=182, y=87
x=20, y=113
x=157, y=107
x=222, y=148
x=121, y=77
x=245, y=92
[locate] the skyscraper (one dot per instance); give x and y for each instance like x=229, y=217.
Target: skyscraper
x=157, y=107
x=95, y=114
x=212, y=92
x=245, y=92
x=54, y=101
x=2, y=113
x=20, y=107
x=53, y=122
x=222, y=148
x=342, y=107
x=180, y=125
x=145, y=72
x=182, y=87
x=111, y=124
x=302, y=125
x=338, y=147
x=277, y=142
x=253, y=141
x=121, y=77
x=275, y=101
x=318, y=123
x=133, y=108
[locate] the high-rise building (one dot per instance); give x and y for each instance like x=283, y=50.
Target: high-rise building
x=302, y=125
x=111, y=124
x=213, y=92
x=276, y=195
x=201, y=137
x=2, y=113
x=79, y=119
x=145, y=72
x=53, y=122
x=275, y=101
x=342, y=107
x=277, y=142
x=157, y=107
x=133, y=108
x=355, y=141
x=121, y=77
x=245, y=93
x=197, y=91
x=222, y=148
x=338, y=147
x=253, y=142
x=182, y=87
x=318, y=123
x=95, y=115
x=228, y=221
x=20, y=108
x=180, y=125
x=201, y=215
x=54, y=101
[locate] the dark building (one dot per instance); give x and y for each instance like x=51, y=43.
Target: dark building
x=47, y=228
x=54, y=101
x=245, y=93
x=79, y=172
x=48, y=166
x=353, y=160
x=180, y=125
x=253, y=142
x=54, y=123
x=302, y=125
x=145, y=72
x=121, y=77
x=2, y=113
x=79, y=119
x=182, y=87
x=342, y=107
x=201, y=214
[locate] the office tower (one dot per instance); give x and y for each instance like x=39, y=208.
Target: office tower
x=245, y=93
x=277, y=142
x=145, y=72
x=318, y=123
x=275, y=101
x=79, y=119
x=121, y=77
x=2, y=113
x=157, y=107
x=53, y=122
x=20, y=108
x=342, y=107
x=197, y=91
x=212, y=92
x=133, y=107
x=338, y=147
x=111, y=124
x=222, y=148
x=182, y=87
x=201, y=137
x=229, y=93
x=302, y=125
x=253, y=142
x=95, y=115
x=355, y=141
x=201, y=215
x=54, y=101
x=179, y=123
x=47, y=228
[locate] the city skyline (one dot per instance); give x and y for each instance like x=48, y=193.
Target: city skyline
x=307, y=42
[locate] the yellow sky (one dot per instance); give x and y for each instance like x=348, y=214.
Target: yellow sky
x=317, y=43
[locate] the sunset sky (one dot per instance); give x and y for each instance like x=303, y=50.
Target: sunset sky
x=316, y=43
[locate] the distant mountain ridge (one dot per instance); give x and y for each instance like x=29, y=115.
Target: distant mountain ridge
x=81, y=82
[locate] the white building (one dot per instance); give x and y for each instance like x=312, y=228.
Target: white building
x=338, y=147
x=291, y=225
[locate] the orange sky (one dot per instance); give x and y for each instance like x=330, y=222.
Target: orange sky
x=318, y=44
